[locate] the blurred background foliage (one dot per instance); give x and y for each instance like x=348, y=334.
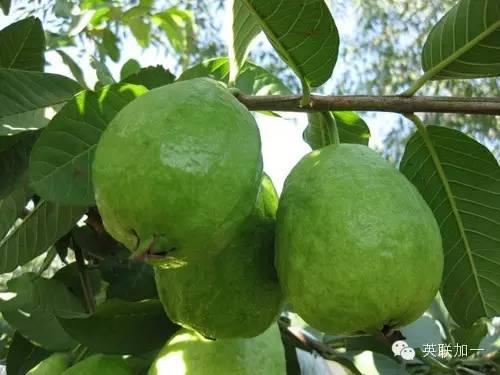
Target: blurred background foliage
x=390, y=38
x=386, y=41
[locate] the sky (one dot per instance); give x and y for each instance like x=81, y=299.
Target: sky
x=282, y=144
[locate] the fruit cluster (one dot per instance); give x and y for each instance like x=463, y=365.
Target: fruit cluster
x=351, y=246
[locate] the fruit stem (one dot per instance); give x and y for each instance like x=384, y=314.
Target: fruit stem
x=330, y=131
x=305, y=101
x=235, y=91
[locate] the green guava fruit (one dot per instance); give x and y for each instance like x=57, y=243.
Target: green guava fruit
x=100, y=364
x=178, y=168
x=357, y=247
x=234, y=293
x=53, y=365
x=189, y=353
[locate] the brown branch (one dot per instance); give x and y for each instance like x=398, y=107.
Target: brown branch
x=304, y=341
x=396, y=104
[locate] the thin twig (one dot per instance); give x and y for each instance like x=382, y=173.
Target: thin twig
x=84, y=278
x=304, y=341
x=396, y=104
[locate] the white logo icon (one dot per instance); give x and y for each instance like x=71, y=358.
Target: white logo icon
x=402, y=349
x=398, y=346
x=408, y=353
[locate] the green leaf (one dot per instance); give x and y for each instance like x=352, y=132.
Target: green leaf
x=140, y=10
x=252, y=80
x=245, y=28
x=370, y=363
x=58, y=40
x=32, y=120
x=23, y=355
x=460, y=180
x=130, y=67
x=303, y=33
x=120, y=327
x=151, y=77
x=61, y=159
x=22, y=45
x=140, y=30
x=465, y=43
x=352, y=129
x=33, y=309
x=129, y=280
x=73, y=67
x=100, y=16
x=109, y=45
x=472, y=336
x=5, y=5
x=89, y=4
x=45, y=224
x=321, y=131
x=14, y=159
x=178, y=25
x=70, y=276
x=23, y=92
x=103, y=74
x=11, y=208
x=99, y=245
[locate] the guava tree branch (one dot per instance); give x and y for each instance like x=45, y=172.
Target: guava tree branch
x=304, y=341
x=396, y=104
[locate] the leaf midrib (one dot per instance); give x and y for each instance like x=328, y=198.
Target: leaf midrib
x=44, y=76
x=454, y=208
x=431, y=73
x=25, y=220
x=281, y=50
x=22, y=45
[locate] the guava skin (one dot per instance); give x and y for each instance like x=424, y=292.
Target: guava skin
x=357, y=247
x=100, y=364
x=53, y=365
x=178, y=169
x=189, y=353
x=234, y=293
